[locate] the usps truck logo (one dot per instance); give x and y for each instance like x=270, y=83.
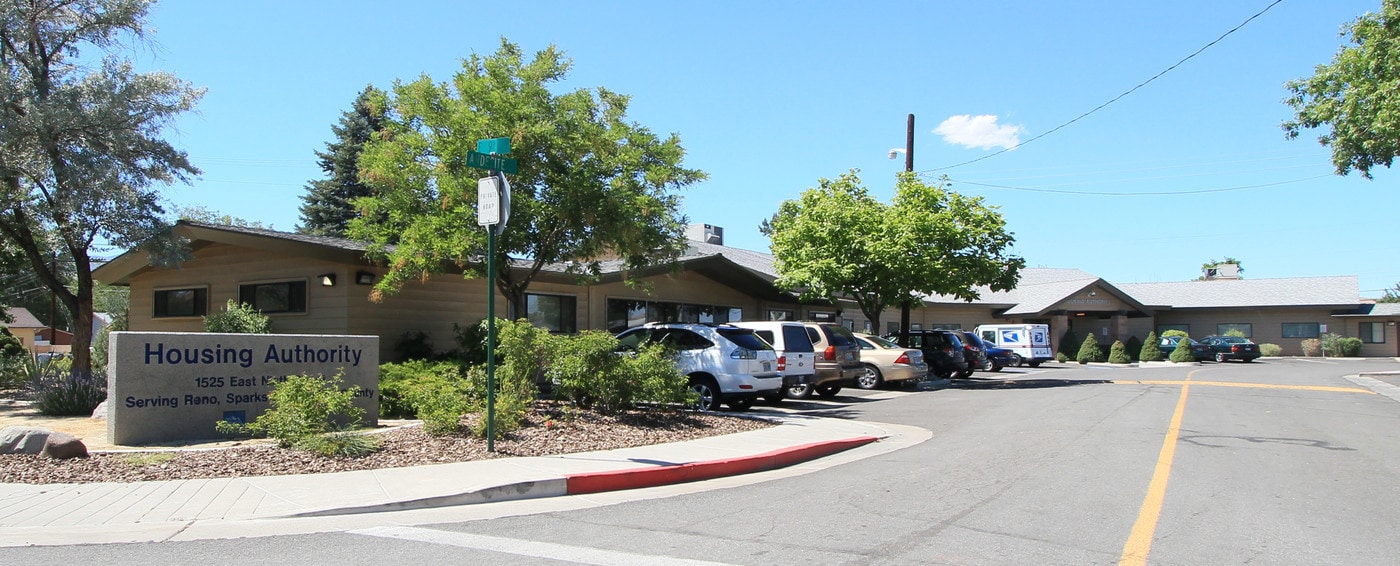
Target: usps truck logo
x=1039, y=337
x=1011, y=336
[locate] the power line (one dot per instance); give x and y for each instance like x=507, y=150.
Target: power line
x=1115, y=99
x=1157, y=193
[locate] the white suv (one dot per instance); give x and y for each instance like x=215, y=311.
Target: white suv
x=726, y=364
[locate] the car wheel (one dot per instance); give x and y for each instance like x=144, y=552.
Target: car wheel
x=964, y=374
x=1033, y=364
x=988, y=364
x=740, y=404
x=708, y=392
x=869, y=378
x=1220, y=358
x=1017, y=361
x=996, y=366
x=828, y=391
x=774, y=398
x=799, y=391
x=945, y=374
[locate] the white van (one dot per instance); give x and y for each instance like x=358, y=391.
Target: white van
x=1029, y=343
x=797, y=359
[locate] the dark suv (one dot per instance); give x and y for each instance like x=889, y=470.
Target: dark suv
x=975, y=351
x=943, y=352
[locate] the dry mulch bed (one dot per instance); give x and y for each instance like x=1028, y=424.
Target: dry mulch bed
x=549, y=430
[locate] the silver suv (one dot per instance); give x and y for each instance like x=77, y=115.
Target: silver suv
x=725, y=364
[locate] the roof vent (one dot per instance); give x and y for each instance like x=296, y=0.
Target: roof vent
x=705, y=233
x=1223, y=271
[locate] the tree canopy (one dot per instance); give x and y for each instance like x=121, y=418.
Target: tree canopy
x=1355, y=95
x=591, y=184
x=79, y=143
x=837, y=241
x=327, y=206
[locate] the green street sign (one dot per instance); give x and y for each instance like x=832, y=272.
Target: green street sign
x=498, y=146
x=485, y=161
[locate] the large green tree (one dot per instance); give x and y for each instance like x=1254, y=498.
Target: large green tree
x=1356, y=95
x=591, y=185
x=80, y=142
x=1392, y=295
x=326, y=207
x=837, y=241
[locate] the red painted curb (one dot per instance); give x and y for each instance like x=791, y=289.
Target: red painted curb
x=597, y=482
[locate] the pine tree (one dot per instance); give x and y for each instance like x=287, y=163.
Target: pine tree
x=1150, y=352
x=1118, y=354
x=327, y=204
x=1089, y=351
x=1182, y=354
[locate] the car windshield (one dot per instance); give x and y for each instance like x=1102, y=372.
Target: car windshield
x=744, y=338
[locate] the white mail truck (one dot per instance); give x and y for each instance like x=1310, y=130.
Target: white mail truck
x=1029, y=343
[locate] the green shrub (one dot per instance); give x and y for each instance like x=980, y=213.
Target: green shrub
x=1312, y=347
x=13, y=357
x=1182, y=354
x=1237, y=333
x=1339, y=346
x=1061, y=357
x=522, y=353
x=1270, y=350
x=304, y=410
x=591, y=375
x=401, y=384
x=1089, y=351
x=1118, y=353
x=1174, y=332
x=341, y=444
x=238, y=318
x=1151, y=349
x=59, y=391
x=1133, y=348
x=471, y=343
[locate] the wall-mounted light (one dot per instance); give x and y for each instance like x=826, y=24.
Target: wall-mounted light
x=1079, y=314
x=1390, y=323
x=364, y=278
x=328, y=280
x=1093, y=293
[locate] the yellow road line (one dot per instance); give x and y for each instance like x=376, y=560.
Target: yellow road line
x=1140, y=540
x=1256, y=386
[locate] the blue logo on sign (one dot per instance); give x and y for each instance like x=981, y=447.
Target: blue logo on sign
x=1010, y=336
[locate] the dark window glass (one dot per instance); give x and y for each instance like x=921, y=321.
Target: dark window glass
x=687, y=340
x=1300, y=330
x=181, y=302
x=840, y=335
x=796, y=339
x=557, y=313
x=1372, y=332
x=272, y=298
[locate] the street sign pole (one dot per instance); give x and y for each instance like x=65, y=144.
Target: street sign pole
x=490, y=195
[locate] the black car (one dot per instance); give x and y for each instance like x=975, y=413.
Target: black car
x=943, y=352
x=1001, y=357
x=1231, y=348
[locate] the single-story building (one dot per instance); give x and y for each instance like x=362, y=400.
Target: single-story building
x=321, y=285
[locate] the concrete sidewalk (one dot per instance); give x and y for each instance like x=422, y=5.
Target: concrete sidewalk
x=77, y=513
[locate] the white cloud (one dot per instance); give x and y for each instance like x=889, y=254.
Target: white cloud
x=978, y=131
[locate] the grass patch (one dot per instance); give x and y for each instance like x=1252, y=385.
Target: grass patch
x=148, y=458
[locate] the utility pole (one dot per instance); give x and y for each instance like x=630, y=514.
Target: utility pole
x=907, y=305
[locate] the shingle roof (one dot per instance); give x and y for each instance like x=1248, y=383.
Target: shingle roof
x=1288, y=291
x=327, y=241
x=23, y=318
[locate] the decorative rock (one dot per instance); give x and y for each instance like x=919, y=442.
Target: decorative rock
x=23, y=439
x=101, y=411
x=62, y=446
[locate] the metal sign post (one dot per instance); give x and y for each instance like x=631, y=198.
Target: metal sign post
x=492, y=209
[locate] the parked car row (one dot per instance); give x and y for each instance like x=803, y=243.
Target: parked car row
x=1218, y=348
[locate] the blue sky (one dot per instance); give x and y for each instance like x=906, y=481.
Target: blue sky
x=770, y=97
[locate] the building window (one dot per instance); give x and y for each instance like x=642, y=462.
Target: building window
x=1372, y=332
x=891, y=328
x=557, y=313
x=627, y=313
x=780, y=314
x=1163, y=328
x=1244, y=327
x=820, y=316
x=1300, y=330
x=181, y=302
x=273, y=298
